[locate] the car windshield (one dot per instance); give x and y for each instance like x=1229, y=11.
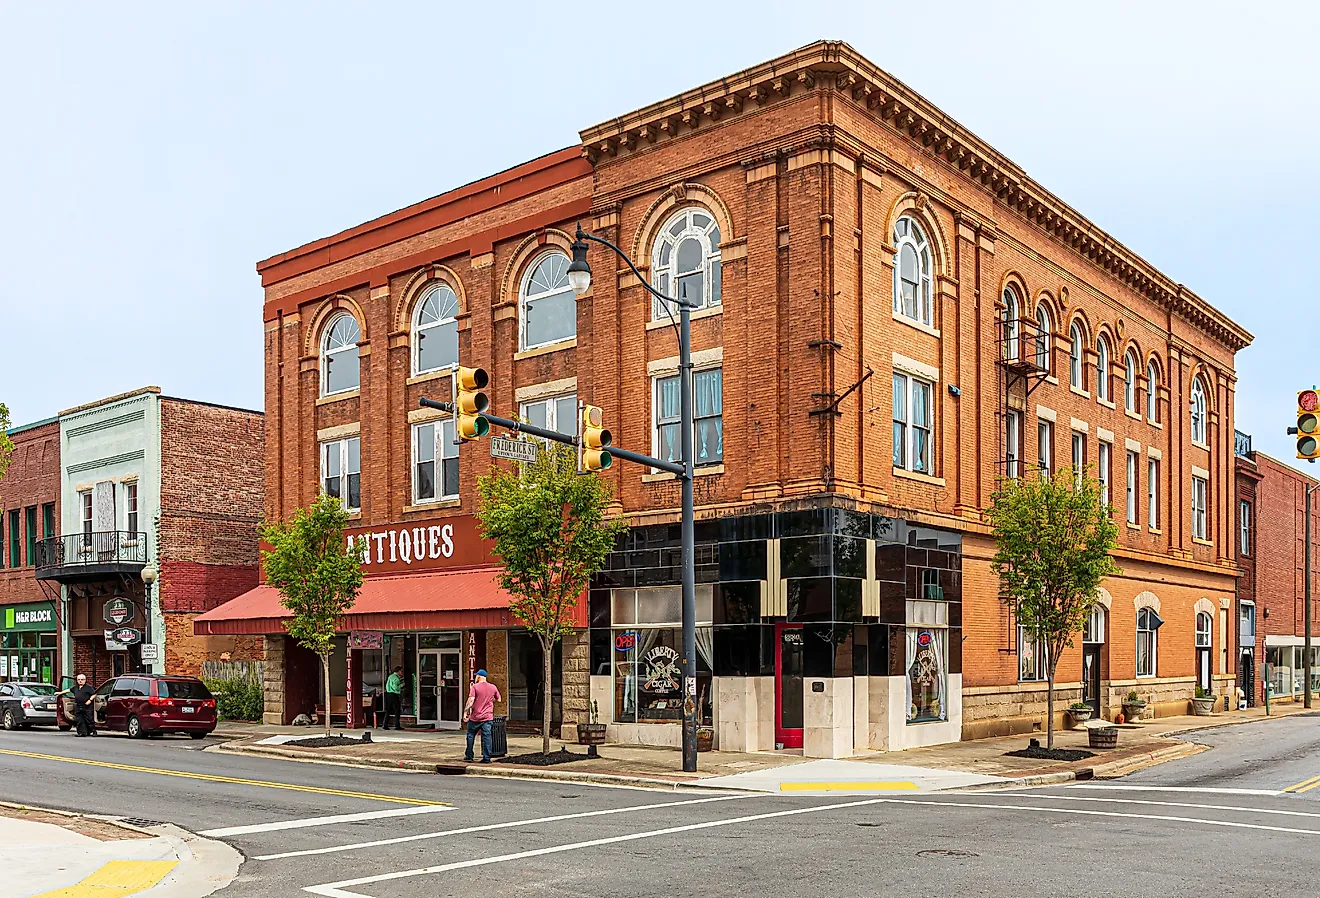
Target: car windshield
x=37, y=689
x=182, y=689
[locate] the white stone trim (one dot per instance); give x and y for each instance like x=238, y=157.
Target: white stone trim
x=1046, y=414
x=1154, y=453
x=912, y=366
x=1200, y=472
x=702, y=359
x=339, y=432
x=1132, y=445
x=550, y=388
x=1080, y=426
x=1105, y=436
x=1146, y=599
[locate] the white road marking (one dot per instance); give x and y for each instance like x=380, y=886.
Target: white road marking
x=1193, y=789
x=509, y=825
x=338, y=890
x=1167, y=804
x=322, y=821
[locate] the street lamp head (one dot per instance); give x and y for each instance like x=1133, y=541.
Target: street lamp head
x=579, y=271
x=148, y=575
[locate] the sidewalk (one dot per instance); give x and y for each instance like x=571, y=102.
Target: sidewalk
x=59, y=855
x=976, y=764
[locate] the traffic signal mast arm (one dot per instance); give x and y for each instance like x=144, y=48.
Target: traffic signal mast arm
x=557, y=437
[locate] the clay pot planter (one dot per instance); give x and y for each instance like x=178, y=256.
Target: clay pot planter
x=1204, y=706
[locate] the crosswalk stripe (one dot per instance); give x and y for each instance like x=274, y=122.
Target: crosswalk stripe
x=304, y=822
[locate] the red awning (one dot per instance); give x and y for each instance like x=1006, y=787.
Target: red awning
x=443, y=600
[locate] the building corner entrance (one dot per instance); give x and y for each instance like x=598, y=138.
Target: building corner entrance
x=789, y=683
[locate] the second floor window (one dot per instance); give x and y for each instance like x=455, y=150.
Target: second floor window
x=48, y=520
x=341, y=471
x=85, y=512
x=131, y=507
x=340, y=370
x=1152, y=392
x=1244, y=527
x=15, y=539
x=708, y=417
x=1045, y=448
x=912, y=272
x=1200, y=495
x=1078, y=458
x=1198, y=412
x=435, y=330
x=1013, y=444
x=1132, y=487
x=548, y=304
x=435, y=461
x=556, y=413
x=30, y=515
x=912, y=424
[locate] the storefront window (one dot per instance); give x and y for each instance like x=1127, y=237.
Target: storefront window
x=648, y=654
x=927, y=675
x=1279, y=661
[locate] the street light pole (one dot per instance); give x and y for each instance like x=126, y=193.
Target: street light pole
x=579, y=274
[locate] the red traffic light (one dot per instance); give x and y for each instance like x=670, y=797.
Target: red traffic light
x=1307, y=400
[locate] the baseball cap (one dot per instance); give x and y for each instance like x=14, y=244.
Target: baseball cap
x=481, y=673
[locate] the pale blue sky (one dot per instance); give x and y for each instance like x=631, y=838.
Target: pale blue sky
x=150, y=154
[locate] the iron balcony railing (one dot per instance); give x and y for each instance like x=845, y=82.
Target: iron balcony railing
x=1242, y=444
x=92, y=548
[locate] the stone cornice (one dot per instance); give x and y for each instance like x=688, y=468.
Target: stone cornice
x=834, y=65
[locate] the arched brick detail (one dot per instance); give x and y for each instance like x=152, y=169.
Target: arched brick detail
x=531, y=247
x=679, y=196
x=416, y=286
x=1147, y=599
x=917, y=205
x=324, y=312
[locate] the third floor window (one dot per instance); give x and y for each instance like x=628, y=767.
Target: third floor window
x=912, y=272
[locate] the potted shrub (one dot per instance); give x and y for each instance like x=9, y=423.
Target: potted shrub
x=705, y=738
x=1079, y=713
x=1133, y=707
x=592, y=733
x=1203, y=705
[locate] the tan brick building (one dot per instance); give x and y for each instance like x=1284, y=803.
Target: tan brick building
x=893, y=316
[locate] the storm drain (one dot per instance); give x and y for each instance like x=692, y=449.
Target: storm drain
x=140, y=821
x=946, y=852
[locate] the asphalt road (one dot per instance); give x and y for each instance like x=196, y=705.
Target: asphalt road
x=1219, y=823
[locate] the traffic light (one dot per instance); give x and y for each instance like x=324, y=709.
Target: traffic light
x=593, y=440
x=470, y=401
x=1308, y=425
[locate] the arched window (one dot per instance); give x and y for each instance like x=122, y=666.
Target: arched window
x=1095, y=625
x=685, y=262
x=1130, y=381
x=1148, y=625
x=1043, y=336
x=340, y=371
x=435, y=330
x=1152, y=392
x=548, y=305
x=1012, y=321
x=1075, y=355
x=1198, y=412
x=1102, y=390
x=1203, y=630
x=912, y=272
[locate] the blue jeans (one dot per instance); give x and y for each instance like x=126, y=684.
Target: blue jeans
x=473, y=727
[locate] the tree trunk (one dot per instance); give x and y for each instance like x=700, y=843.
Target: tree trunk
x=1049, y=724
x=547, y=693
x=325, y=681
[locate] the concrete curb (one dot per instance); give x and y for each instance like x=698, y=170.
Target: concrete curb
x=1133, y=763
x=1036, y=779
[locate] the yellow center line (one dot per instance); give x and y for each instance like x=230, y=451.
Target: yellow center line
x=115, y=879
x=1305, y=785
x=213, y=778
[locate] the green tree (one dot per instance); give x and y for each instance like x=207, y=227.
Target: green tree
x=1055, y=536
x=549, y=528
x=6, y=444
x=318, y=575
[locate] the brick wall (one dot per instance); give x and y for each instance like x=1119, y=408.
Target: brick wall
x=33, y=479
x=184, y=652
x=1279, y=562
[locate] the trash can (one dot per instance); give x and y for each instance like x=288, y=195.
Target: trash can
x=499, y=737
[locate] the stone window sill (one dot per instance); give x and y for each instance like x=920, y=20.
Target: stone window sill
x=1135, y=416
x=430, y=376
x=455, y=502
x=705, y=471
x=1106, y=403
x=546, y=350
x=905, y=474
x=663, y=321
x=1085, y=394
x=915, y=325
x=339, y=397
x=1202, y=542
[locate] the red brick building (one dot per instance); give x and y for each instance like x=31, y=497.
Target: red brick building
x=892, y=317
x=1271, y=603
x=29, y=508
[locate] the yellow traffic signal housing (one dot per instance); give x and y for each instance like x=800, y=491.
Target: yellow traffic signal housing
x=470, y=400
x=1308, y=425
x=593, y=440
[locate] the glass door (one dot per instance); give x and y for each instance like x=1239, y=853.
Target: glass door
x=428, y=688
x=1091, y=677
x=451, y=693
x=788, y=685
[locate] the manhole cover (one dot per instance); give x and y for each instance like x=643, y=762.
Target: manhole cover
x=140, y=821
x=946, y=852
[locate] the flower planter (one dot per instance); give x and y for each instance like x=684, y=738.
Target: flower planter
x=591, y=734
x=1132, y=711
x=1079, y=716
x=1102, y=737
x=705, y=738
x=1203, y=707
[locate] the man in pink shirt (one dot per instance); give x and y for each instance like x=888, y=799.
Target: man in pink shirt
x=479, y=713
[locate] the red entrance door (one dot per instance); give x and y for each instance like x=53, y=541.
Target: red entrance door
x=788, y=685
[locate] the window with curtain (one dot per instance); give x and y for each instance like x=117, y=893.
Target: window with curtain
x=435, y=461
x=912, y=272
x=1131, y=487
x=912, y=424
x=1031, y=657
x=647, y=653
x=341, y=471
x=685, y=261
x=707, y=413
x=340, y=370
x=435, y=330
x=1148, y=624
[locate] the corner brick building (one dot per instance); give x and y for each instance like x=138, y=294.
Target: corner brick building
x=29, y=508
x=892, y=318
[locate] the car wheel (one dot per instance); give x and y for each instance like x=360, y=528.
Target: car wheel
x=11, y=722
x=198, y=735
x=134, y=728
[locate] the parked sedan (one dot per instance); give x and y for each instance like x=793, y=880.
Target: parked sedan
x=25, y=704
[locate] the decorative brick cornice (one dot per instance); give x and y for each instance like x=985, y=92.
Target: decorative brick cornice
x=835, y=66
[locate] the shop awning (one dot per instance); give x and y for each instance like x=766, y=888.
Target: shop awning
x=443, y=600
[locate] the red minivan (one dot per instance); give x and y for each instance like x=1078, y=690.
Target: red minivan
x=152, y=704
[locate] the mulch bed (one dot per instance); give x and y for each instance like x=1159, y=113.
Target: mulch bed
x=536, y=759
x=1039, y=752
x=326, y=742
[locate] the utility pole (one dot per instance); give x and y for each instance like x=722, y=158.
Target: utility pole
x=1306, y=597
x=1307, y=432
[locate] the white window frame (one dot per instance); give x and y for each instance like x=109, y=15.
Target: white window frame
x=551, y=404
x=1130, y=382
x=909, y=385
x=1045, y=448
x=1044, y=338
x=1153, y=493
x=1102, y=389
x=1078, y=457
x=656, y=423
x=1076, y=358
x=1104, y=459
x=1244, y=527
x=86, y=512
x=1040, y=660
x=1012, y=323
x=1152, y=392
x=1205, y=634
x=1094, y=631
x=1200, y=431
x=344, y=348
x=526, y=300
x=1153, y=634
x=664, y=276
x=442, y=295
x=131, y=508
x=444, y=449
x=913, y=236
x=340, y=450
x=1200, y=509
x=1013, y=444
x=1132, y=485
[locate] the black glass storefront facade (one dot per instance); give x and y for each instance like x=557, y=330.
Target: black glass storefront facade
x=822, y=562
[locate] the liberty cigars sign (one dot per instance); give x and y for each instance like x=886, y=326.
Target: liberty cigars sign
x=422, y=546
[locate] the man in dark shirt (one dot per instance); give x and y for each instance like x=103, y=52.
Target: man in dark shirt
x=84, y=716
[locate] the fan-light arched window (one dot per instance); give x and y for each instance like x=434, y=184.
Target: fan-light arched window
x=340, y=371
x=1148, y=645
x=435, y=330
x=1076, y=354
x=1095, y=625
x=1152, y=392
x=1012, y=323
x=548, y=304
x=1130, y=381
x=1204, y=625
x=1102, y=390
x=912, y=272
x=1043, y=336
x=1198, y=412
x=685, y=262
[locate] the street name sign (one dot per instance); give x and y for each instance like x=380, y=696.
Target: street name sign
x=513, y=450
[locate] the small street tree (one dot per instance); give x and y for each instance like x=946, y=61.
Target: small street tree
x=550, y=533
x=318, y=576
x=1054, y=538
x=6, y=444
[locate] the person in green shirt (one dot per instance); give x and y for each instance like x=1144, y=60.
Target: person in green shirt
x=393, y=697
